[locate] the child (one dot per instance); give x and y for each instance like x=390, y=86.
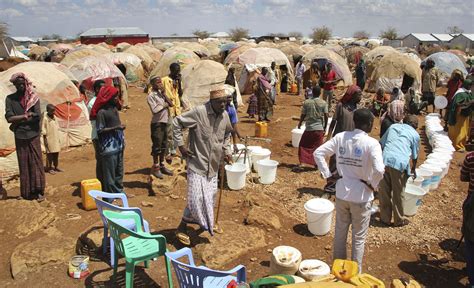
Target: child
x=253, y=106
x=50, y=132
x=308, y=93
x=3, y=191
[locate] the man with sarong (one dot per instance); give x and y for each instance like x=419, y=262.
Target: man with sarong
x=209, y=143
x=22, y=110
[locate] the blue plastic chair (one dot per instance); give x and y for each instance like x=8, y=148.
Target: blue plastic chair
x=190, y=276
x=127, y=223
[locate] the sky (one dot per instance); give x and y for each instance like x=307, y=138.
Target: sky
x=68, y=18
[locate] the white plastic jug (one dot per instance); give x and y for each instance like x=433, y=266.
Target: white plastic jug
x=236, y=176
x=267, y=170
x=412, y=199
x=296, y=135
x=418, y=181
x=319, y=215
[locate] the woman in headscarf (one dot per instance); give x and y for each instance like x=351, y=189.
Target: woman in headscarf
x=22, y=110
x=454, y=83
x=343, y=121
x=395, y=114
x=111, y=139
x=459, y=116
x=262, y=91
x=360, y=74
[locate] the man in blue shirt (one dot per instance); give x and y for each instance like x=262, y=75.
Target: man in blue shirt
x=400, y=143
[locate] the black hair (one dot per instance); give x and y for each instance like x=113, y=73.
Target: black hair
x=97, y=85
x=174, y=66
x=82, y=89
x=316, y=91
x=50, y=106
x=362, y=117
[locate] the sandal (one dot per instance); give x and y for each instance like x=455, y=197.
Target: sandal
x=183, y=238
x=217, y=230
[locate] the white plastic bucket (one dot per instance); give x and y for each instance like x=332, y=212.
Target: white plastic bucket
x=319, y=215
x=241, y=160
x=236, y=176
x=412, y=199
x=260, y=154
x=418, y=181
x=312, y=269
x=296, y=137
x=437, y=172
x=267, y=170
x=427, y=175
x=440, y=163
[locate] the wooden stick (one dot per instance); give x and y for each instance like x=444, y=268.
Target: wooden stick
x=221, y=188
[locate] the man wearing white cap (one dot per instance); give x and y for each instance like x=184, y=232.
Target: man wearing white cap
x=209, y=142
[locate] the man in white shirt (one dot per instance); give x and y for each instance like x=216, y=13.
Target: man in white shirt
x=360, y=168
x=273, y=81
x=300, y=68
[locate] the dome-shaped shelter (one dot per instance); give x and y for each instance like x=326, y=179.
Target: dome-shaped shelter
x=292, y=51
x=76, y=55
x=395, y=70
x=53, y=87
x=132, y=63
x=446, y=63
x=147, y=61
x=197, y=48
x=339, y=64
x=180, y=55
x=355, y=53
x=199, y=78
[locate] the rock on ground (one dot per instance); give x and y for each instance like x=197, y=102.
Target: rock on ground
x=52, y=248
x=236, y=240
x=264, y=217
x=168, y=184
x=35, y=216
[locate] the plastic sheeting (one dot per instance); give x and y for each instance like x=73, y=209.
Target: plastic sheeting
x=132, y=63
x=74, y=56
x=446, y=62
x=95, y=68
x=199, y=78
x=197, y=48
x=147, y=62
x=339, y=64
x=180, y=55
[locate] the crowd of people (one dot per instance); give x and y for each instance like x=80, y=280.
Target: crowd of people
x=360, y=167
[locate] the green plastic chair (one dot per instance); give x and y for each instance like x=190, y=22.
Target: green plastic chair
x=138, y=247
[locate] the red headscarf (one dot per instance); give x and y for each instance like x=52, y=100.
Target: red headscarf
x=351, y=91
x=106, y=93
x=30, y=97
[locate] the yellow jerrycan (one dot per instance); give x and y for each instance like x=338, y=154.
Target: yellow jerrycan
x=88, y=202
x=261, y=129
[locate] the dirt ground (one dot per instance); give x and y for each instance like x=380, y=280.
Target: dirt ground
x=425, y=250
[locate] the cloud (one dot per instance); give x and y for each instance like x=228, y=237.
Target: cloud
x=25, y=2
x=10, y=12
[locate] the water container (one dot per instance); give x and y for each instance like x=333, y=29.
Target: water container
x=294, y=88
x=312, y=269
x=240, y=158
x=418, y=181
x=344, y=270
x=437, y=172
x=236, y=176
x=260, y=154
x=319, y=215
x=261, y=129
x=439, y=163
x=296, y=137
x=285, y=260
x=267, y=170
x=412, y=199
x=366, y=280
x=88, y=202
x=426, y=175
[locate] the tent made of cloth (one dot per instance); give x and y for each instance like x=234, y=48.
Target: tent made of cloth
x=446, y=63
x=163, y=46
x=38, y=53
x=336, y=48
x=180, y=55
x=233, y=56
x=147, y=61
x=378, y=52
x=199, y=78
x=132, y=63
x=76, y=55
x=395, y=70
x=291, y=51
x=354, y=53
x=53, y=87
x=95, y=68
x=154, y=52
x=308, y=47
x=339, y=64
x=197, y=48
x=266, y=44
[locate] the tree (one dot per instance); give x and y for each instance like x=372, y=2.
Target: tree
x=321, y=34
x=238, y=33
x=454, y=30
x=361, y=34
x=296, y=34
x=202, y=34
x=3, y=30
x=390, y=33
